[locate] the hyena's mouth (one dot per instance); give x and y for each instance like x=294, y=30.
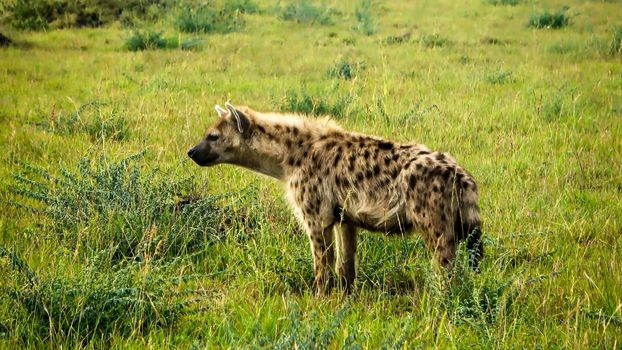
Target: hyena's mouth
x=208, y=160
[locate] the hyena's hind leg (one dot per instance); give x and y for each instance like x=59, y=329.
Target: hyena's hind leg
x=346, y=267
x=322, y=248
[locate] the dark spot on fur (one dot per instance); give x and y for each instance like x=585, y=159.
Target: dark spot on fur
x=385, y=145
x=396, y=157
x=423, y=152
x=288, y=143
x=366, y=154
x=446, y=175
x=412, y=181
x=337, y=159
x=418, y=166
x=376, y=170
x=295, y=131
x=330, y=144
x=337, y=181
x=394, y=173
x=387, y=160
x=261, y=129
x=440, y=156
x=360, y=176
x=291, y=161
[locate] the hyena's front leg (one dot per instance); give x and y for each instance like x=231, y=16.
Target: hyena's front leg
x=346, y=242
x=322, y=248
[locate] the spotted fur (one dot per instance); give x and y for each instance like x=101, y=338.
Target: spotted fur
x=339, y=181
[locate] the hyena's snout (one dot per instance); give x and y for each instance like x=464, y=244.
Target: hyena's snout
x=202, y=155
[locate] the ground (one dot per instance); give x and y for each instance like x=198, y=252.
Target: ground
x=196, y=257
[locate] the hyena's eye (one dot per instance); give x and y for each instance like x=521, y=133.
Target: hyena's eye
x=213, y=136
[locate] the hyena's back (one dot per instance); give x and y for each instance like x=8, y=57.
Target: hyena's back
x=384, y=186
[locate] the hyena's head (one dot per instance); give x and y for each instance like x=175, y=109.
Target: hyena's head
x=224, y=141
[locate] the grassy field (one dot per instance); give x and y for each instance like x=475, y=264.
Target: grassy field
x=111, y=237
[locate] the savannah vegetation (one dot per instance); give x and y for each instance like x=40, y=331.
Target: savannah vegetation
x=111, y=237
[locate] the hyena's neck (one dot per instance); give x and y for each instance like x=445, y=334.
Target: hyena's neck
x=279, y=143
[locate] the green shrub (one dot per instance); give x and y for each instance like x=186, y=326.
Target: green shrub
x=504, y=2
x=243, y=6
x=93, y=118
x=397, y=39
x=42, y=14
x=127, y=210
x=209, y=20
x=364, y=18
x=305, y=103
x=500, y=77
x=304, y=12
x=433, y=40
x=96, y=302
x=313, y=333
x=615, y=48
x=152, y=40
x=551, y=20
x=345, y=69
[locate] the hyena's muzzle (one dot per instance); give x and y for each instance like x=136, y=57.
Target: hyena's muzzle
x=202, y=155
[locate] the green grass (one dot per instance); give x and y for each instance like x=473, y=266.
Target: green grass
x=111, y=237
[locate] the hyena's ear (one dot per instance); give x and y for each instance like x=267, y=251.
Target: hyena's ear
x=242, y=120
x=221, y=111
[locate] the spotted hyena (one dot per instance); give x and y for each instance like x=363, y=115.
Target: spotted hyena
x=340, y=180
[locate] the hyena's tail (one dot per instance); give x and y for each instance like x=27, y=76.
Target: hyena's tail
x=468, y=225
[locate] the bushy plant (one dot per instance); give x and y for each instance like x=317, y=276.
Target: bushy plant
x=615, y=48
x=150, y=40
x=305, y=12
x=433, y=40
x=397, y=39
x=243, y=6
x=364, y=18
x=346, y=70
x=313, y=333
x=335, y=105
x=550, y=20
x=208, y=19
x=98, y=119
x=504, y=2
x=127, y=210
x=42, y=14
x=120, y=300
x=500, y=77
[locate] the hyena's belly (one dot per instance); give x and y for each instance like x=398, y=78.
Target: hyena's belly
x=388, y=220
